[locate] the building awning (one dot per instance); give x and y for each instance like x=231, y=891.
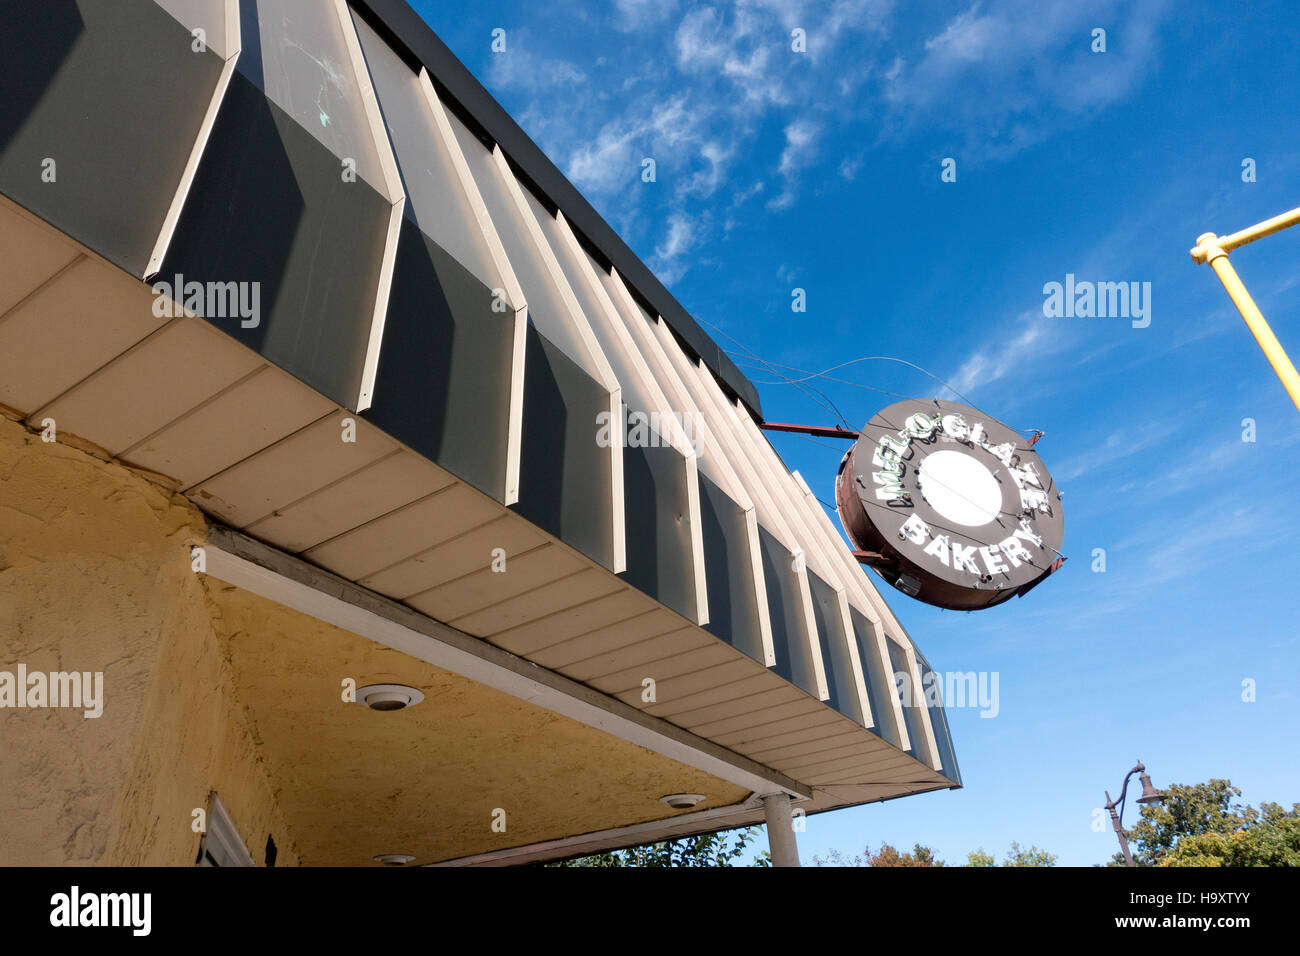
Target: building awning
x=285, y=271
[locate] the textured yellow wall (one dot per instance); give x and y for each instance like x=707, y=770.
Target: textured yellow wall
x=95, y=576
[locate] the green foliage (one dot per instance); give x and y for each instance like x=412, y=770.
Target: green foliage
x=887, y=856
x=1273, y=840
x=1016, y=856
x=705, y=849
x=1204, y=825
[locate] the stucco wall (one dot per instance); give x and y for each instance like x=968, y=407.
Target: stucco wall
x=95, y=576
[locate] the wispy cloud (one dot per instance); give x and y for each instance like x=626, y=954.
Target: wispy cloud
x=669, y=254
x=1005, y=74
x=799, y=153
x=1036, y=338
x=633, y=15
x=1119, y=445
x=732, y=75
x=729, y=90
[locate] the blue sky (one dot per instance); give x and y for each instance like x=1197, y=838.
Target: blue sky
x=820, y=170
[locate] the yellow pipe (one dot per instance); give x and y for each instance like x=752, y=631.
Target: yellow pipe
x=1257, y=231
x=1209, y=248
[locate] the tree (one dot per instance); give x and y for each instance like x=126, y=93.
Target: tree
x=703, y=849
x=1016, y=856
x=888, y=856
x=1204, y=825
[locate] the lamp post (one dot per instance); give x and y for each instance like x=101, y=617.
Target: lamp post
x=1149, y=795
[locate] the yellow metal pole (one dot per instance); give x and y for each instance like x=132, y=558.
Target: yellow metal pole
x=1259, y=230
x=1210, y=248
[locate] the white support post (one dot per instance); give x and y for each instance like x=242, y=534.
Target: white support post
x=780, y=830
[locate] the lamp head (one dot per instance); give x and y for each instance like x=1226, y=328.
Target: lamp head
x=1149, y=793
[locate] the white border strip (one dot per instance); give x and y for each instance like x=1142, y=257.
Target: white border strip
x=603, y=374
x=233, y=45
x=609, y=319
x=396, y=195
x=514, y=293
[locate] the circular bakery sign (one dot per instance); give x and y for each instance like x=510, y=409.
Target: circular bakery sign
x=950, y=506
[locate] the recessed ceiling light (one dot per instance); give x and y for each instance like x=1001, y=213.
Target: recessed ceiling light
x=682, y=801
x=394, y=859
x=388, y=696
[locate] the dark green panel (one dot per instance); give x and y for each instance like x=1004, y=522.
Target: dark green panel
x=729, y=572
x=880, y=685
x=270, y=206
x=913, y=700
x=793, y=656
x=565, y=475
x=115, y=95
x=657, y=526
x=443, y=384
x=939, y=720
x=835, y=656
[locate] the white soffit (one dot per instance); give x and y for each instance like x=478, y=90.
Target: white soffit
x=477, y=660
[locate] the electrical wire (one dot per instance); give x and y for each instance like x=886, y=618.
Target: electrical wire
x=827, y=403
x=808, y=390
x=770, y=366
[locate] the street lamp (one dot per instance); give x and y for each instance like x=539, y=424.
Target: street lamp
x=1149, y=795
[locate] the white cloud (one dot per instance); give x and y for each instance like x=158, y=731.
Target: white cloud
x=521, y=67
x=682, y=237
x=613, y=160
x=1006, y=74
x=799, y=153
x=635, y=15
x=1032, y=343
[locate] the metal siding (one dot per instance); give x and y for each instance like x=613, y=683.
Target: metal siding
x=939, y=720
x=659, y=558
x=443, y=386
x=834, y=645
x=880, y=688
x=733, y=605
x=114, y=94
x=564, y=474
x=269, y=205
x=793, y=658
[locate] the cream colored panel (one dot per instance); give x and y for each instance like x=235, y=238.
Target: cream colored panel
x=148, y=387
x=608, y=640
x=292, y=469
x=642, y=654
x=524, y=639
x=683, y=688
x=362, y=496
x=239, y=422
x=731, y=689
x=489, y=586
x=743, y=706
x=713, y=459
x=398, y=535
x=85, y=318
x=455, y=557
x=688, y=662
x=30, y=254
x=550, y=601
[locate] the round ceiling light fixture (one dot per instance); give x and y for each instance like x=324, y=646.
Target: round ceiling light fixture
x=388, y=696
x=394, y=859
x=682, y=801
